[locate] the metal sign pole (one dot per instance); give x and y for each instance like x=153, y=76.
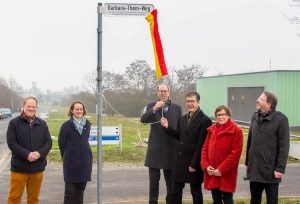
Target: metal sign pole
x=110, y=9
x=99, y=83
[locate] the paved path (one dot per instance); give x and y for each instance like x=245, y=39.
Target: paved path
x=131, y=184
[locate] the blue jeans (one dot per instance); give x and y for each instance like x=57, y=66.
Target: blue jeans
x=221, y=197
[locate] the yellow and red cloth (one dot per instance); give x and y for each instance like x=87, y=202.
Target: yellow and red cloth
x=161, y=69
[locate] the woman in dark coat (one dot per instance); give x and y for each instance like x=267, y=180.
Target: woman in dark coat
x=76, y=153
x=220, y=156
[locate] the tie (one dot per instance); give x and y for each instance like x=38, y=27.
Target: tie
x=166, y=108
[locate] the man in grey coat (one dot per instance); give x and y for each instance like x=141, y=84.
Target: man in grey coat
x=161, y=150
x=267, y=149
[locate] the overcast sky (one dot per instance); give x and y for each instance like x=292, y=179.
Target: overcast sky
x=54, y=43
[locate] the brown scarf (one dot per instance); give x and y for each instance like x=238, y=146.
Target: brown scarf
x=27, y=118
x=190, y=118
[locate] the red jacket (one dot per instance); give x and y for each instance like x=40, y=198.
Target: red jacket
x=222, y=152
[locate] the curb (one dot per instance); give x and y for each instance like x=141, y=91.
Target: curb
x=5, y=160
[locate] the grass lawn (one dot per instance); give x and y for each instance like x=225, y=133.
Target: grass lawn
x=247, y=201
x=133, y=152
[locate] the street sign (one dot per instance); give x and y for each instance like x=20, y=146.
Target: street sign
x=118, y=9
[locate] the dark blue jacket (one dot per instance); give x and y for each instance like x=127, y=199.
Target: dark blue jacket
x=22, y=139
x=76, y=152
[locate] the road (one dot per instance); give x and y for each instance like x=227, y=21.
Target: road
x=130, y=184
x=3, y=129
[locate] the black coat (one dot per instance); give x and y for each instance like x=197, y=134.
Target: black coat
x=76, y=152
x=22, y=139
x=267, y=147
x=161, y=150
x=191, y=138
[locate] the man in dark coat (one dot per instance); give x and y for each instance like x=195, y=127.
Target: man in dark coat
x=29, y=140
x=267, y=149
x=161, y=150
x=191, y=135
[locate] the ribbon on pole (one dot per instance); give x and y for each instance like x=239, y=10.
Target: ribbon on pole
x=161, y=69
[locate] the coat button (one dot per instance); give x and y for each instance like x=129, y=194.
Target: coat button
x=179, y=152
x=181, y=142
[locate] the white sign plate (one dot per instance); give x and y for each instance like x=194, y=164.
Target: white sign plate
x=116, y=9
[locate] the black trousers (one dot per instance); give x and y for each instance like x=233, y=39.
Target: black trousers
x=221, y=197
x=256, y=190
x=154, y=177
x=74, y=193
x=196, y=192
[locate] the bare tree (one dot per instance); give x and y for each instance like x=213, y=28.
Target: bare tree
x=90, y=83
x=186, y=77
x=294, y=19
x=113, y=86
x=141, y=78
x=72, y=90
x=5, y=92
x=10, y=93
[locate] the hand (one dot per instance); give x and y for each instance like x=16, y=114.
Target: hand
x=158, y=105
x=31, y=157
x=210, y=170
x=217, y=172
x=191, y=169
x=278, y=174
x=164, y=122
x=37, y=154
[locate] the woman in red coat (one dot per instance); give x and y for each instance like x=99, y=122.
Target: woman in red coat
x=220, y=156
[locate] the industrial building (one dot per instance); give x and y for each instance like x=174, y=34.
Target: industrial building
x=240, y=92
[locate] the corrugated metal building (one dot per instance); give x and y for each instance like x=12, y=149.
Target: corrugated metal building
x=240, y=92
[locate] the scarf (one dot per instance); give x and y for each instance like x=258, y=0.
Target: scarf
x=220, y=128
x=265, y=113
x=79, y=124
x=26, y=117
x=190, y=116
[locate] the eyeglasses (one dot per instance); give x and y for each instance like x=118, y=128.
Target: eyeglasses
x=190, y=101
x=260, y=99
x=162, y=91
x=221, y=115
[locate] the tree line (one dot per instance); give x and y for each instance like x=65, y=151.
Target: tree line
x=129, y=92
x=10, y=93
